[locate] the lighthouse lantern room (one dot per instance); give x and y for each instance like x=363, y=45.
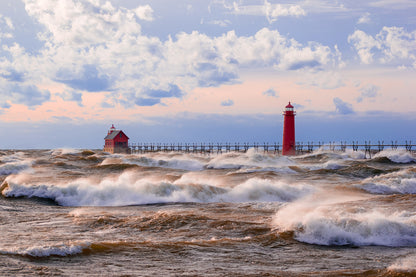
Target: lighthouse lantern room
x=116, y=141
x=289, y=146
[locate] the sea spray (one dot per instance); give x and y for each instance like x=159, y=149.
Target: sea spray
x=396, y=156
x=399, y=182
x=129, y=189
x=49, y=250
x=324, y=219
x=250, y=159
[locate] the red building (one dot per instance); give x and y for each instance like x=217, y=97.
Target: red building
x=116, y=141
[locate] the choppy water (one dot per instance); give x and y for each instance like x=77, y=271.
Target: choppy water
x=71, y=213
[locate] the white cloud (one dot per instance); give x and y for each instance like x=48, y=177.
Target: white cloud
x=6, y=24
x=7, y=21
x=270, y=48
x=363, y=44
x=271, y=11
x=392, y=45
x=82, y=23
x=221, y=23
x=92, y=46
x=324, y=6
x=144, y=13
x=364, y=19
x=393, y=4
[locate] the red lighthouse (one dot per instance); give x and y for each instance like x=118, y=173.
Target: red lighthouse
x=289, y=131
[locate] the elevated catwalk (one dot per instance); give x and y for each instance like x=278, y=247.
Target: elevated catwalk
x=300, y=147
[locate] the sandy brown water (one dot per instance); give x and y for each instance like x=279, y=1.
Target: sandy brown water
x=71, y=212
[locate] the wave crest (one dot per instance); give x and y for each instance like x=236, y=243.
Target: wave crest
x=129, y=189
x=330, y=223
x=49, y=250
x=400, y=182
x=396, y=156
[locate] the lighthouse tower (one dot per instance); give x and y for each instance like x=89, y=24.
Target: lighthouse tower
x=288, y=147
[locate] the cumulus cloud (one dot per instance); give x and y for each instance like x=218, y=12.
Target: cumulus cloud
x=271, y=92
x=16, y=78
x=144, y=13
x=92, y=46
x=392, y=45
x=342, y=107
x=368, y=91
x=227, y=103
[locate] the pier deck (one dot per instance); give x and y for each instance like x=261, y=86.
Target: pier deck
x=301, y=148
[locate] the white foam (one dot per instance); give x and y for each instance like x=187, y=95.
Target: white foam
x=397, y=156
x=331, y=165
x=349, y=154
x=322, y=221
x=49, y=250
x=401, y=182
x=14, y=163
x=405, y=264
x=250, y=159
x=64, y=151
x=129, y=189
x=14, y=167
x=256, y=189
x=168, y=160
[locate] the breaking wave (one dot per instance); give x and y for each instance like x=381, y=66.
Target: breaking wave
x=174, y=161
x=251, y=160
x=64, y=151
x=329, y=223
x=14, y=167
x=15, y=163
x=50, y=250
x=400, y=182
x=396, y=156
x=128, y=189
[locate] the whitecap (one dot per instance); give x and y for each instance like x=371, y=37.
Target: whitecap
x=400, y=182
x=396, y=156
x=49, y=250
x=327, y=222
x=129, y=189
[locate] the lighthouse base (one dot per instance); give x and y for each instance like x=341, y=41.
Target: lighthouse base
x=289, y=152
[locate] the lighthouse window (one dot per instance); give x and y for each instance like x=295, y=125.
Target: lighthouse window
x=289, y=109
x=120, y=135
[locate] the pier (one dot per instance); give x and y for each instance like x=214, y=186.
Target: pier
x=368, y=147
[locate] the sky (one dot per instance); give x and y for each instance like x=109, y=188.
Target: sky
x=205, y=71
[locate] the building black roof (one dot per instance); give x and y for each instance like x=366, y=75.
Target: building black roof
x=114, y=134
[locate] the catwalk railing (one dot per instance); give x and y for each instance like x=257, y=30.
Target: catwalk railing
x=301, y=148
